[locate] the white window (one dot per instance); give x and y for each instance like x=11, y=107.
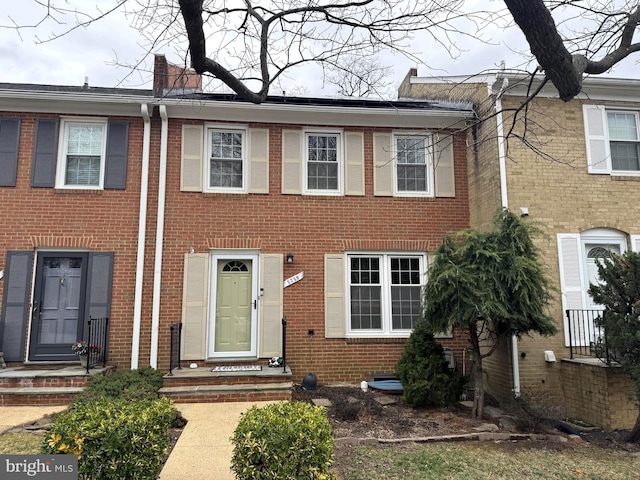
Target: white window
x=612, y=140
x=385, y=293
x=414, y=164
x=82, y=153
x=226, y=164
x=323, y=162
x=624, y=141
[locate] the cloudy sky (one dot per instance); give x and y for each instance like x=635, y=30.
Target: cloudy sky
x=100, y=51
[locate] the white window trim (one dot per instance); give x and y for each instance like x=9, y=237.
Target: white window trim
x=63, y=145
x=597, y=236
x=430, y=192
x=305, y=160
x=386, y=331
x=607, y=111
x=244, y=130
x=214, y=257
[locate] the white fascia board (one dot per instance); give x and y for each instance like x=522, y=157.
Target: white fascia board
x=71, y=103
x=316, y=115
x=594, y=87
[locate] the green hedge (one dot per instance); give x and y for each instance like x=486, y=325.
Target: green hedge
x=283, y=441
x=138, y=384
x=114, y=439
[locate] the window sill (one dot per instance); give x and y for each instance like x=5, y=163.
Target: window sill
x=375, y=340
x=83, y=191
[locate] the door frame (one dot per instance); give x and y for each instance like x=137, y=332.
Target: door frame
x=211, y=318
x=37, y=285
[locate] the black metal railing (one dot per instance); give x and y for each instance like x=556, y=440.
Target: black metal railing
x=174, y=349
x=587, y=337
x=98, y=339
x=284, y=345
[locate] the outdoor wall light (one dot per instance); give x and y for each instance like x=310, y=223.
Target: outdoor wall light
x=289, y=258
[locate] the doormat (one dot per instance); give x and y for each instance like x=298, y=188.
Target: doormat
x=237, y=368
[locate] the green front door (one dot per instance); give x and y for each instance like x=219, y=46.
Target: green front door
x=234, y=306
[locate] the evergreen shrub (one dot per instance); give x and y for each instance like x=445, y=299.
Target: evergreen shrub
x=114, y=439
x=424, y=371
x=283, y=441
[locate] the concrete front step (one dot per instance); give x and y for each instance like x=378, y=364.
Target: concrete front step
x=38, y=396
x=245, y=392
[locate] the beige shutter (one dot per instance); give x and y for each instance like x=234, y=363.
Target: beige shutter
x=571, y=275
x=291, y=161
x=635, y=243
x=597, y=143
x=383, y=165
x=354, y=161
x=195, y=299
x=334, y=294
x=270, y=321
x=191, y=168
x=258, y=160
x=445, y=184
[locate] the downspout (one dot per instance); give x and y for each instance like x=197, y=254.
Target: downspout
x=515, y=361
x=157, y=270
x=142, y=232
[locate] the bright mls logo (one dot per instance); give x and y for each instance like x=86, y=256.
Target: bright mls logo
x=51, y=467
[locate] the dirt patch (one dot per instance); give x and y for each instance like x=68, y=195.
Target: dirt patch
x=357, y=414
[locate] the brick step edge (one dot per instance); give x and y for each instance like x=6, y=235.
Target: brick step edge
x=244, y=388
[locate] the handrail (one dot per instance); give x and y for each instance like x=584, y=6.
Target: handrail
x=98, y=339
x=174, y=351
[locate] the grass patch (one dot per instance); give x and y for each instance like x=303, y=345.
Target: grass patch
x=20, y=443
x=486, y=461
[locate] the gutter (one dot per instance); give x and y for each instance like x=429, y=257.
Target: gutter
x=515, y=361
x=157, y=270
x=142, y=231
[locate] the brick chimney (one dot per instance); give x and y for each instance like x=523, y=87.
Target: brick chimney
x=171, y=79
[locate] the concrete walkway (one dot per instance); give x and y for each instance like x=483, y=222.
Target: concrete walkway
x=203, y=451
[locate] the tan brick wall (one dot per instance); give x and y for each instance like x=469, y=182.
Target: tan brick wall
x=548, y=176
x=598, y=395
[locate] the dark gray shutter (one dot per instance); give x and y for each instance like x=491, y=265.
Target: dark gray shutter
x=44, y=153
x=99, y=285
x=9, y=140
x=15, y=304
x=115, y=172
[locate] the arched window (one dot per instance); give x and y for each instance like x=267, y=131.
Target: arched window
x=235, y=266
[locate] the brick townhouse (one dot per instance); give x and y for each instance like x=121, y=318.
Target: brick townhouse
x=154, y=208
x=578, y=178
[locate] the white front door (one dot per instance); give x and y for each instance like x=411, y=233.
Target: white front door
x=233, y=313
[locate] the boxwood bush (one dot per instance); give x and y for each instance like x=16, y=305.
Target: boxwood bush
x=283, y=441
x=114, y=439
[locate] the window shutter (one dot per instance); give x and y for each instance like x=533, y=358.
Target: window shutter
x=258, y=160
x=595, y=132
x=271, y=281
x=192, y=157
x=635, y=243
x=334, y=291
x=9, y=141
x=445, y=185
x=571, y=275
x=115, y=169
x=44, y=153
x=382, y=165
x=354, y=163
x=100, y=279
x=15, y=305
x=195, y=300
x=291, y=161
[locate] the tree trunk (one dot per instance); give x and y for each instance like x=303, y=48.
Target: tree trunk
x=477, y=410
x=634, y=436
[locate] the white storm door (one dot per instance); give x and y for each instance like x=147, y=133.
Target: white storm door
x=234, y=306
